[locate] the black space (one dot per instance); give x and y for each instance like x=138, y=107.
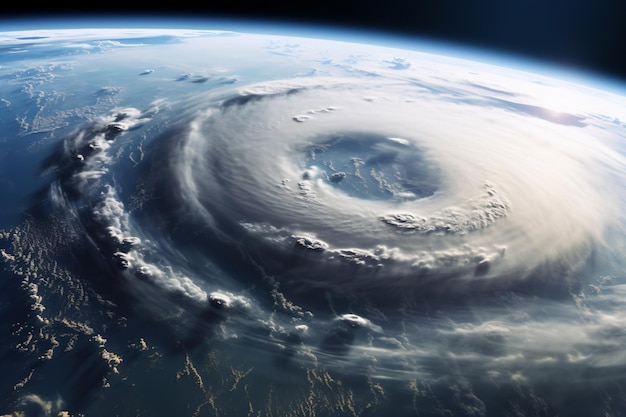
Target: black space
x=583, y=34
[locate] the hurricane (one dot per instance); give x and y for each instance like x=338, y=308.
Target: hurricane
x=381, y=235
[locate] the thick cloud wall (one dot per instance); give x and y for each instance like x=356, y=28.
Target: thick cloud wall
x=303, y=164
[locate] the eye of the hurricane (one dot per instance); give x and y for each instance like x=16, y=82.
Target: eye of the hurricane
x=372, y=167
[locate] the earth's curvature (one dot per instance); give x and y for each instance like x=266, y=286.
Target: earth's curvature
x=213, y=223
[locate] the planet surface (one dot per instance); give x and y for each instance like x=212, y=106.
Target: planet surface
x=223, y=223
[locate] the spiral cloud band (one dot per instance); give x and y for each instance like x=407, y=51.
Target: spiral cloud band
x=325, y=219
x=373, y=191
